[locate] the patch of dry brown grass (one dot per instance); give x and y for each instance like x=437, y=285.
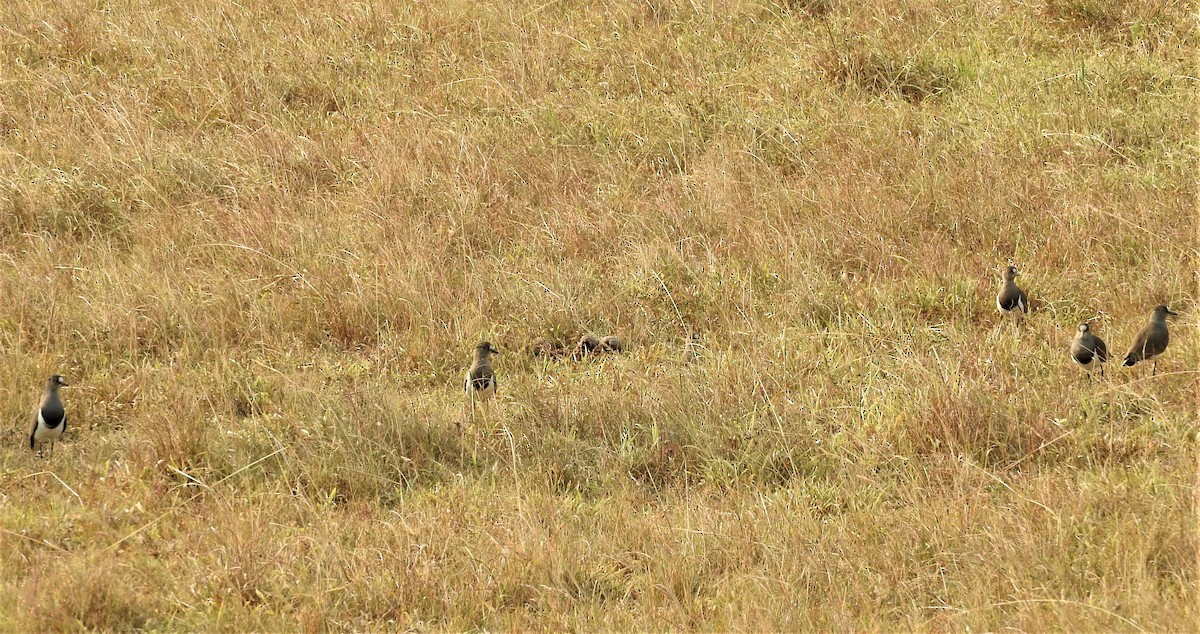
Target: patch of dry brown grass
x=260, y=240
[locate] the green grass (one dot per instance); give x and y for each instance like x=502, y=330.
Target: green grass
x=261, y=240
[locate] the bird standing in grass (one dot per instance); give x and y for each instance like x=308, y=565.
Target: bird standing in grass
x=1011, y=300
x=51, y=419
x=1088, y=350
x=691, y=351
x=1152, y=340
x=480, y=383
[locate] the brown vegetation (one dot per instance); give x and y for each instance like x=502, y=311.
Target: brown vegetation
x=261, y=239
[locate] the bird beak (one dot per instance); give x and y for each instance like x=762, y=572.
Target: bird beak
x=1171, y=312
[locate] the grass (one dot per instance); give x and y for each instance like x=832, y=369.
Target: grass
x=261, y=240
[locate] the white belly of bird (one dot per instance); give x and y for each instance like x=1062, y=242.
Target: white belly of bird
x=46, y=434
x=1016, y=313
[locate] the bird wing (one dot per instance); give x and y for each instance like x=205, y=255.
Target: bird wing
x=1150, y=342
x=1101, y=349
x=1012, y=298
x=1137, y=351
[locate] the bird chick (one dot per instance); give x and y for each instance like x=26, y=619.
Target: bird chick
x=585, y=347
x=612, y=344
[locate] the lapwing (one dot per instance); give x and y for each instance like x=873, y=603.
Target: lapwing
x=612, y=344
x=1151, y=341
x=1011, y=300
x=546, y=347
x=691, y=351
x=480, y=383
x=51, y=419
x=1088, y=350
x=587, y=345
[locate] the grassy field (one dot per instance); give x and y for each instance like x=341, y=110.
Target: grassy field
x=260, y=239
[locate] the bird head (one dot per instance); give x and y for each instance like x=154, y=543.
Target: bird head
x=485, y=348
x=55, y=382
x=1009, y=272
x=1161, y=312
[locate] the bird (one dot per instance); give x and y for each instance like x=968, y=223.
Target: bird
x=1088, y=350
x=612, y=344
x=1151, y=341
x=546, y=347
x=51, y=420
x=587, y=345
x=1011, y=301
x=691, y=351
x=480, y=383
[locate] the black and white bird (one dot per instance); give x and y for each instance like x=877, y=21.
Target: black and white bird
x=1152, y=340
x=1088, y=350
x=1011, y=300
x=480, y=383
x=51, y=420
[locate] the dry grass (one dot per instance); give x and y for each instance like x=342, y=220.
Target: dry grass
x=261, y=240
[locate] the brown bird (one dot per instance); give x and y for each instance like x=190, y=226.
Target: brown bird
x=1151, y=341
x=1088, y=350
x=480, y=383
x=587, y=345
x=546, y=347
x=1011, y=300
x=691, y=352
x=613, y=344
